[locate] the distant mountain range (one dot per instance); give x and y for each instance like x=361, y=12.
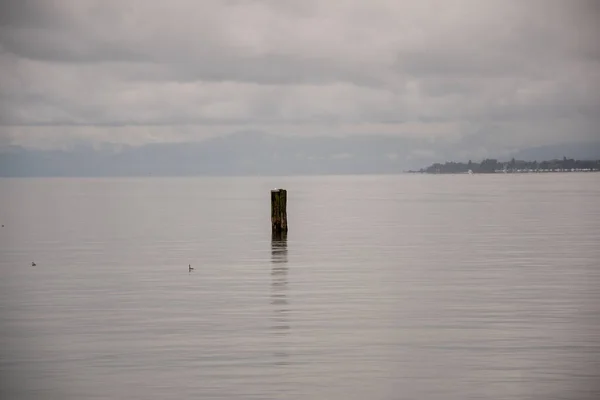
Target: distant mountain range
x=251, y=153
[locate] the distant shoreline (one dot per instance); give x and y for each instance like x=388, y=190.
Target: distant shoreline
x=503, y=172
x=493, y=166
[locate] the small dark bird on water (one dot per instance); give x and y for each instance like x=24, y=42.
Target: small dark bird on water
x=190, y=268
x=33, y=264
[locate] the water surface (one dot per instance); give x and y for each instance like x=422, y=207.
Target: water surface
x=386, y=287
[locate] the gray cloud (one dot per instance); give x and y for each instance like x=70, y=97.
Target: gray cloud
x=134, y=71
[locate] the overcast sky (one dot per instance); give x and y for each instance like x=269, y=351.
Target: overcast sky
x=137, y=71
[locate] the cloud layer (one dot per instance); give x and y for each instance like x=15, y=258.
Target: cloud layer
x=135, y=71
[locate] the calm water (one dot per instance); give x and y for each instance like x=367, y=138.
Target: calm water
x=401, y=287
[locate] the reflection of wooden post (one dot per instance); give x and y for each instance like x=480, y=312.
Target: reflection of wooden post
x=279, y=281
x=279, y=210
x=279, y=248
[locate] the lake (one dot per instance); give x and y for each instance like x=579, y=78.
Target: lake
x=386, y=287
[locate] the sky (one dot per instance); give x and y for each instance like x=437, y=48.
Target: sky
x=517, y=73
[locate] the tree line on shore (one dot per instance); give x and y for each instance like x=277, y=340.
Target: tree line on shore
x=512, y=166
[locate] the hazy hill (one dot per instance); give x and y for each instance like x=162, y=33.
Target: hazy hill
x=251, y=153
x=581, y=151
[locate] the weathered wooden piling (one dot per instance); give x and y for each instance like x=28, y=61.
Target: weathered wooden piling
x=279, y=211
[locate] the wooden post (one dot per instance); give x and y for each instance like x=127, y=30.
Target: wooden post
x=279, y=211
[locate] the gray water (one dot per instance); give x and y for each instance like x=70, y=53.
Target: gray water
x=395, y=287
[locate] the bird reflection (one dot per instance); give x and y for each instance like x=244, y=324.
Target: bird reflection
x=279, y=270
